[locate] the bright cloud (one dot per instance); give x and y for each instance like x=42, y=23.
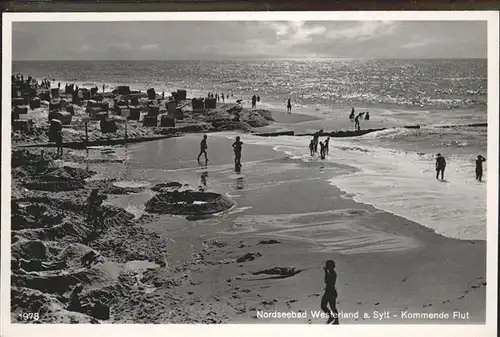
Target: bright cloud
x=364, y=31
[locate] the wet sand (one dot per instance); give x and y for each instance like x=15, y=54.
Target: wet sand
x=384, y=262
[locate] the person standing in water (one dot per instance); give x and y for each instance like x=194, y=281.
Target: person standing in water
x=330, y=295
x=323, y=149
x=316, y=140
x=479, y=167
x=440, y=166
x=203, y=148
x=327, y=145
x=311, y=147
x=357, y=125
x=289, y=106
x=351, y=116
x=237, y=147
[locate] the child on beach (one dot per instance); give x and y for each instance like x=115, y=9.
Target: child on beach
x=203, y=148
x=479, y=167
x=289, y=106
x=330, y=295
x=440, y=166
x=237, y=146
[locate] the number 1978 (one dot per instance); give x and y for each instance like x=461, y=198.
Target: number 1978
x=25, y=316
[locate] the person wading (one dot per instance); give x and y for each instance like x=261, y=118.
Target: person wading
x=357, y=125
x=479, y=167
x=316, y=140
x=351, y=116
x=323, y=149
x=203, y=148
x=311, y=147
x=440, y=166
x=237, y=146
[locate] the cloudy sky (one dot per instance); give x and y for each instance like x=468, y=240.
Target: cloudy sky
x=250, y=39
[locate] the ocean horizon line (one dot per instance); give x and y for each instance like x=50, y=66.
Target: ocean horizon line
x=258, y=59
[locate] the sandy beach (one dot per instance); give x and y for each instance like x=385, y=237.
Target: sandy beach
x=261, y=256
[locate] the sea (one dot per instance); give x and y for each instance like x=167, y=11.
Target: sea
x=393, y=169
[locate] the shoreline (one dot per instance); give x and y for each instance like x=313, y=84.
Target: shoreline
x=210, y=274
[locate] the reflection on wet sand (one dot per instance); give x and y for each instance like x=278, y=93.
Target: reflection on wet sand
x=240, y=183
x=203, y=178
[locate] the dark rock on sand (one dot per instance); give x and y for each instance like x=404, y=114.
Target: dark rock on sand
x=268, y=242
x=191, y=128
x=188, y=203
x=345, y=133
x=280, y=272
x=276, y=134
x=217, y=243
x=248, y=257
